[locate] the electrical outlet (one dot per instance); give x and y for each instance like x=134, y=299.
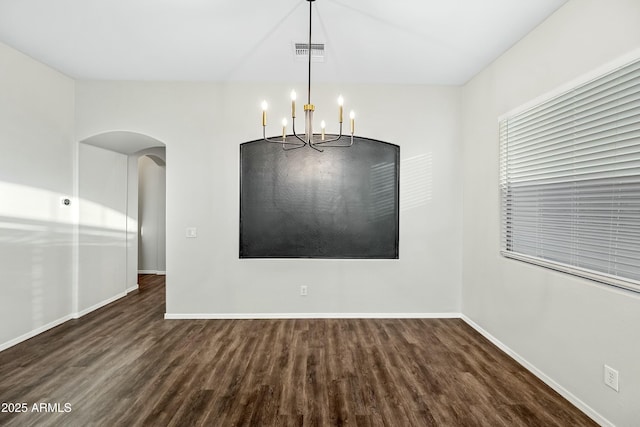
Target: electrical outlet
x=303, y=290
x=611, y=377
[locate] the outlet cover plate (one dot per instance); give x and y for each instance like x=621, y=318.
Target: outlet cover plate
x=611, y=377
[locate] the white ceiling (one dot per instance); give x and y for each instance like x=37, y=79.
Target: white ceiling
x=373, y=41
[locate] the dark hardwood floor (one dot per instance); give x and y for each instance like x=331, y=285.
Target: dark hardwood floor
x=124, y=365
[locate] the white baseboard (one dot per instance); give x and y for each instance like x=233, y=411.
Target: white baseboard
x=60, y=321
x=161, y=273
x=220, y=316
x=34, y=332
x=589, y=411
x=99, y=305
x=133, y=288
x=157, y=272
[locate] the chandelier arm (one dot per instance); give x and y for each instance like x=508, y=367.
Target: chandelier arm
x=315, y=148
x=330, y=140
x=296, y=146
x=293, y=125
x=335, y=146
x=300, y=139
x=282, y=141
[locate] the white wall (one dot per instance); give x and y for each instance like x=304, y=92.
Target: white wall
x=102, y=202
x=36, y=170
x=132, y=222
x=564, y=326
x=203, y=125
x=151, y=216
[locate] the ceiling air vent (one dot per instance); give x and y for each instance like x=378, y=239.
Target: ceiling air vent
x=301, y=52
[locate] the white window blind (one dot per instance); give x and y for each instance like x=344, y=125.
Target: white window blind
x=570, y=181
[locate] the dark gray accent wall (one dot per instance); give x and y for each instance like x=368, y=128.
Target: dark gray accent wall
x=341, y=203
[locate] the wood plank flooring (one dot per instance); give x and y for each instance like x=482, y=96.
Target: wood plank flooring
x=124, y=365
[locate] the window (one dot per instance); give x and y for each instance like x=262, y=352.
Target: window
x=570, y=181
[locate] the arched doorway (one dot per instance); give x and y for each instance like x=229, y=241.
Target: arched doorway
x=107, y=212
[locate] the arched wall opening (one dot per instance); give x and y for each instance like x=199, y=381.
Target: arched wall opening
x=108, y=213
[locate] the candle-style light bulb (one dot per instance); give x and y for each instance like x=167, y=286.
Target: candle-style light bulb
x=352, y=116
x=340, y=104
x=284, y=128
x=293, y=103
x=322, y=126
x=264, y=112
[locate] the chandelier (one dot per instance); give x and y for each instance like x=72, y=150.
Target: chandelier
x=315, y=141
